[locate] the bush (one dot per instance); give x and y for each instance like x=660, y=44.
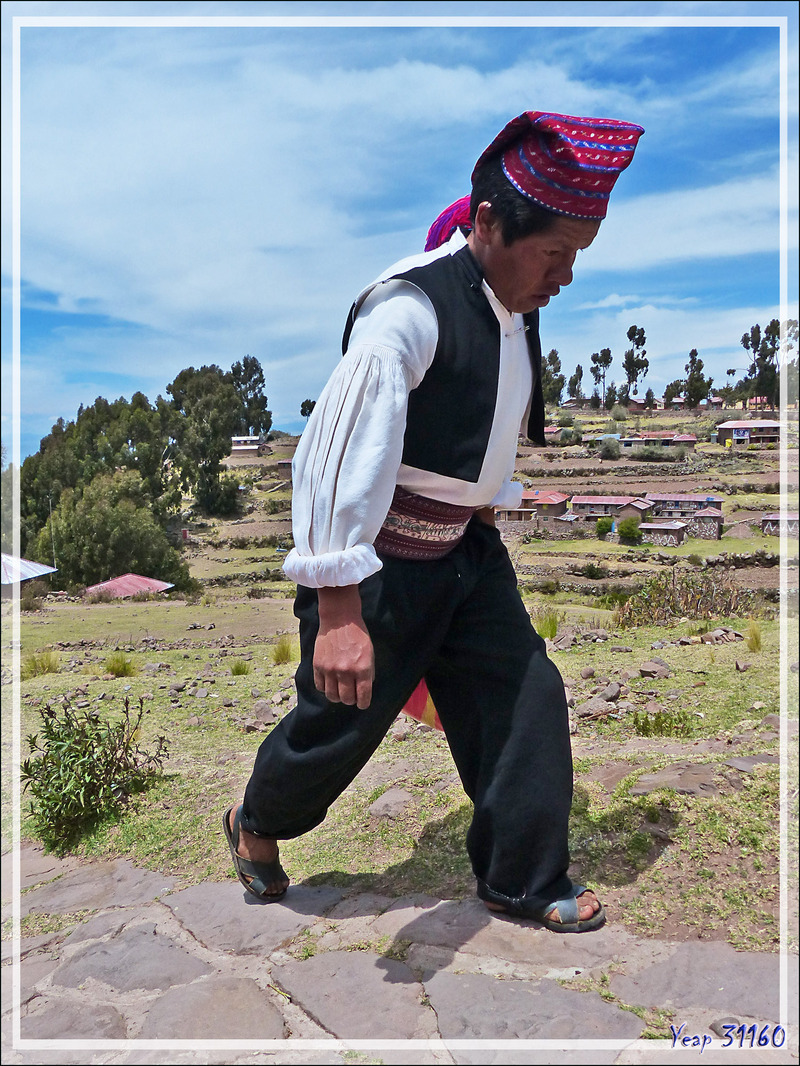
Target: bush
x=240, y=667
x=609, y=448
x=604, y=527
x=695, y=559
x=120, y=665
x=83, y=769
x=38, y=663
x=565, y=419
x=592, y=570
x=629, y=532
x=684, y=594
x=661, y=724
x=619, y=413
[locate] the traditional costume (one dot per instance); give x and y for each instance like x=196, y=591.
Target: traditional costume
x=416, y=430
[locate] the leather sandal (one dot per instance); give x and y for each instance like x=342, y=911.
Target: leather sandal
x=255, y=876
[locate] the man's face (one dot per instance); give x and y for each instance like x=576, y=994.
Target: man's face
x=524, y=275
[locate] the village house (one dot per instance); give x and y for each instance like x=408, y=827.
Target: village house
x=666, y=533
x=590, y=508
x=681, y=505
x=706, y=524
x=658, y=439
x=245, y=445
x=536, y=504
x=743, y=432
x=771, y=524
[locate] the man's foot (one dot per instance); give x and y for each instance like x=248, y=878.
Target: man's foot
x=255, y=859
x=582, y=913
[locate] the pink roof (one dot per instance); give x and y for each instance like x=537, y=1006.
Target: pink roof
x=129, y=585
x=643, y=505
x=707, y=497
x=545, y=497
x=776, y=517
x=603, y=499
x=686, y=436
x=708, y=512
x=750, y=423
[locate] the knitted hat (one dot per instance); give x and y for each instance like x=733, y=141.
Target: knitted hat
x=565, y=164
x=447, y=223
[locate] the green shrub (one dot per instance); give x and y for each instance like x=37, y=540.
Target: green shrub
x=566, y=419
x=629, y=532
x=684, y=594
x=283, y=651
x=101, y=596
x=120, y=665
x=619, y=413
x=662, y=724
x=81, y=770
x=240, y=667
x=604, y=527
x=38, y=663
x=695, y=559
x=592, y=570
x=609, y=448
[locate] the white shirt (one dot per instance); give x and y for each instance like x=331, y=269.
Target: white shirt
x=349, y=459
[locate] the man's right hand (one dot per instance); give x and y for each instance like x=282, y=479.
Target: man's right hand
x=344, y=662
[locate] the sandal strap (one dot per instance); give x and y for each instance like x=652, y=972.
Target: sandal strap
x=568, y=910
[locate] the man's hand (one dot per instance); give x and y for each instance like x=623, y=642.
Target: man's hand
x=344, y=662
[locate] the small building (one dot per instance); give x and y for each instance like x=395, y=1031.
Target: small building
x=739, y=433
x=285, y=469
x=635, y=509
x=245, y=445
x=666, y=533
x=714, y=402
x=771, y=524
x=536, y=504
x=590, y=508
x=662, y=439
x=681, y=505
x=552, y=434
x=706, y=524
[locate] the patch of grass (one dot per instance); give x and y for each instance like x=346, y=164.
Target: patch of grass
x=546, y=621
x=120, y=665
x=37, y=663
x=284, y=650
x=240, y=667
x=753, y=636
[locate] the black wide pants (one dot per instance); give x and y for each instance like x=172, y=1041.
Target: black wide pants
x=460, y=623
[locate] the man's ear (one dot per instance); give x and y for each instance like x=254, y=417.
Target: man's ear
x=486, y=223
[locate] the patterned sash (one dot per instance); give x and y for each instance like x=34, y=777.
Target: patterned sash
x=419, y=528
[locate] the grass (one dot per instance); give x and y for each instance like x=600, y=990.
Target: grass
x=120, y=665
x=285, y=650
x=753, y=637
x=37, y=663
x=240, y=668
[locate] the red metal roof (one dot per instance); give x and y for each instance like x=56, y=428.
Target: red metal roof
x=544, y=497
x=603, y=499
x=708, y=512
x=707, y=497
x=129, y=585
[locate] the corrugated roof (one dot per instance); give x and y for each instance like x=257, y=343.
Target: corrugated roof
x=707, y=497
x=670, y=523
x=750, y=423
x=129, y=585
x=603, y=499
x=544, y=497
x=22, y=569
x=708, y=512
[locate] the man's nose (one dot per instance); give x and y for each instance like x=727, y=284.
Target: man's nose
x=562, y=274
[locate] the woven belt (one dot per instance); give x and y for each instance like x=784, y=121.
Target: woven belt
x=417, y=527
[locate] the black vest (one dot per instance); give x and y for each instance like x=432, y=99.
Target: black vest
x=450, y=412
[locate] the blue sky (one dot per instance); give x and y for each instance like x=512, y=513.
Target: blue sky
x=196, y=194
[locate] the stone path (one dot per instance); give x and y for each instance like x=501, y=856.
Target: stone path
x=143, y=972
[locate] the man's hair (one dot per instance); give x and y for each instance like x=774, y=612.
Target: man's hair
x=518, y=216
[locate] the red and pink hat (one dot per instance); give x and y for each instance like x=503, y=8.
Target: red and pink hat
x=566, y=164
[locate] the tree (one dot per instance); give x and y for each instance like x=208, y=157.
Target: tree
x=574, y=386
x=623, y=395
x=635, y=362
x=789, y=340
x=552, y=378
x=108, y=530
x=611, y=396
x=628, y=530
x=306, y=407
x=6, y=500
x=601, y=361
x=248, y=380
x=594, y=401
x=211, y=409
x=650, y=400
x=675, y=388
x=697, y=385
x=762, y=380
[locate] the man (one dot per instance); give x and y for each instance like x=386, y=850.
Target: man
x=401, y=574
